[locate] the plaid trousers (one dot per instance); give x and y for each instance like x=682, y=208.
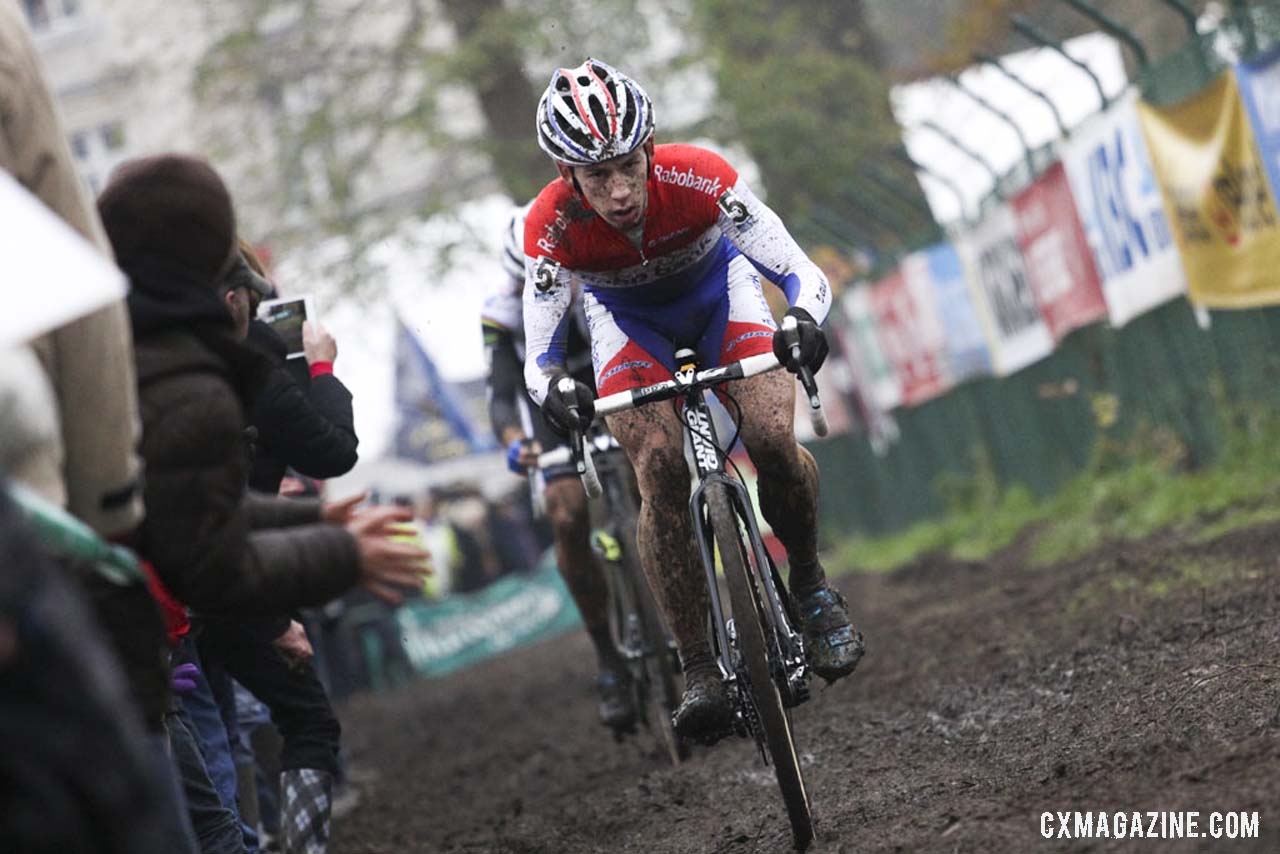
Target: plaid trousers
x=306, y=802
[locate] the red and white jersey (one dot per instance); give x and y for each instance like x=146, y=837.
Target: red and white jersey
x=696, y=202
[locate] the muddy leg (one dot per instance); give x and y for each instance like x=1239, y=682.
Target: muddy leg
x=654, y=440
x=571, y=526
x=788, y=482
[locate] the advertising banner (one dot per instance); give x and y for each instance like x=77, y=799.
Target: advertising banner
x=1259, y=82
x=938, y=269
x=1059, y=264
x=443, y=636
x=871, y=366
x=911, y=336
x=1123, y=215
x=1217, y=195
x=1002, y=293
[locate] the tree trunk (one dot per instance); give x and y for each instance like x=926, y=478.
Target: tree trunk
x=507, y=98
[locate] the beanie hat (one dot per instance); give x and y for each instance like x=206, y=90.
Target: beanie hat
x=172, y=212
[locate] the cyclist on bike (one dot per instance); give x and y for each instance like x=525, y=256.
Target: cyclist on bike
x=668, y=246
x=525, y=434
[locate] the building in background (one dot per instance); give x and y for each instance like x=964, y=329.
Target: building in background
x=139, y=77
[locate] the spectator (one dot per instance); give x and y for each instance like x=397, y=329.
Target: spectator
x=81, y=456
x=195, y=379
x=219, y=550
x=309, y=428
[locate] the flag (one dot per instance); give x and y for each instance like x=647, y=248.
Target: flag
x=433, y=421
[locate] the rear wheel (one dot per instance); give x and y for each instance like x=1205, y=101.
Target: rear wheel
x=747, y=612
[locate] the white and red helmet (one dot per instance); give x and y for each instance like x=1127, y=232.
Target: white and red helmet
x=593, y=113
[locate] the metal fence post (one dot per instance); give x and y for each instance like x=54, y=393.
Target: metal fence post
x=1187, y=14
x=1029, y=31
x=1123, y=33
x=967, y=151
x=995, y=63
x=1244, y=20
x=901, y=154
x=1000, y=114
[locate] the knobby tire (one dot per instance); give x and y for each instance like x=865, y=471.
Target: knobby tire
x=752, y=645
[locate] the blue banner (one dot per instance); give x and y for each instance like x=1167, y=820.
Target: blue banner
x=433, y=422
x=1260, y=92
x=967, y=354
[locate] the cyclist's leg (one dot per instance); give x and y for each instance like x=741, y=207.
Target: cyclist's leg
x=788, y=482
x=788, y=476
x=632, y=350
x=571, y=528
x=654, y=441
x=788, y=479
x=566, y=503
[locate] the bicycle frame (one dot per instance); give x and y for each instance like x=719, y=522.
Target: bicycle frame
x=709, y=463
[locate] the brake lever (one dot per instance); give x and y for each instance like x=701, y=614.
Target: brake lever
x=578, y=446
x=791, y=338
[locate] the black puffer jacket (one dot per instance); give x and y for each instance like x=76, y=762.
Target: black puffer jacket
x=199, y=514
x=309, y=428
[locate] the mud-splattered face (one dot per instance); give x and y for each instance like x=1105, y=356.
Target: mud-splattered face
x=617, y=189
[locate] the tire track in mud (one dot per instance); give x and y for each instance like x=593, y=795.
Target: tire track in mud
x=1142, y=677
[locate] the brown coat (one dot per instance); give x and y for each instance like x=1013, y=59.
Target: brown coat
x=217, y=548
x=88, y=361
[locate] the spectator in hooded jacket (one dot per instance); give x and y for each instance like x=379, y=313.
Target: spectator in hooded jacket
x=312, y=430
x=217, y=548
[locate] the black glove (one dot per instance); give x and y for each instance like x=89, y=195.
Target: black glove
x=556, y=407
x=813, y=343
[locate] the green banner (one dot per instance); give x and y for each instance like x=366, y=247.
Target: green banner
x=441, y=637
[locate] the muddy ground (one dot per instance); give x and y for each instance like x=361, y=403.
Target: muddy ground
x=1143, y=677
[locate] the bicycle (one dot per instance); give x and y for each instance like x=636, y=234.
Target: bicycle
x=637, y=627
x=761, y=654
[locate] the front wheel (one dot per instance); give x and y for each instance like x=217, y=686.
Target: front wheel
x=747, y=617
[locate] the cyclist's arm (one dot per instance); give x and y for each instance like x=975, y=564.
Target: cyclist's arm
x=759, y=234
x=505, y=381
x=501, y=325
x=547, y=299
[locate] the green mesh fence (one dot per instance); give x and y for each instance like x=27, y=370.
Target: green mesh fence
x=1039, y=427
x=1162, y=373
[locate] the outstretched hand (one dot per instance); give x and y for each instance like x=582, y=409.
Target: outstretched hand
x=388, y=563
x=341, y=512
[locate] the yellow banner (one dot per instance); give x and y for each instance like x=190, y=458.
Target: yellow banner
x=1217, y=196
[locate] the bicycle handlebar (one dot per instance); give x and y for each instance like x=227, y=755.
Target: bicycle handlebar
x=580, y=451
x=749, y=367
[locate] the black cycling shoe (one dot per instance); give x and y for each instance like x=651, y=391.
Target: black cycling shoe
x=617, y=702
x=832, y=646
x=705, y=714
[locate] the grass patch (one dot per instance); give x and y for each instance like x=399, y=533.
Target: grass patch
x=1156, y=583
x=1131, y=490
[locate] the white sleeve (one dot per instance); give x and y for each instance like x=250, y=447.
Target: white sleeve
x=547, y=298
x=761, y=237
x=502, y=304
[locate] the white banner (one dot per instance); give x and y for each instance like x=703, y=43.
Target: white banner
x=1006, y=305
x=874, y=371
x=1120, y=206
x=53, y=274
x=939, y=269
